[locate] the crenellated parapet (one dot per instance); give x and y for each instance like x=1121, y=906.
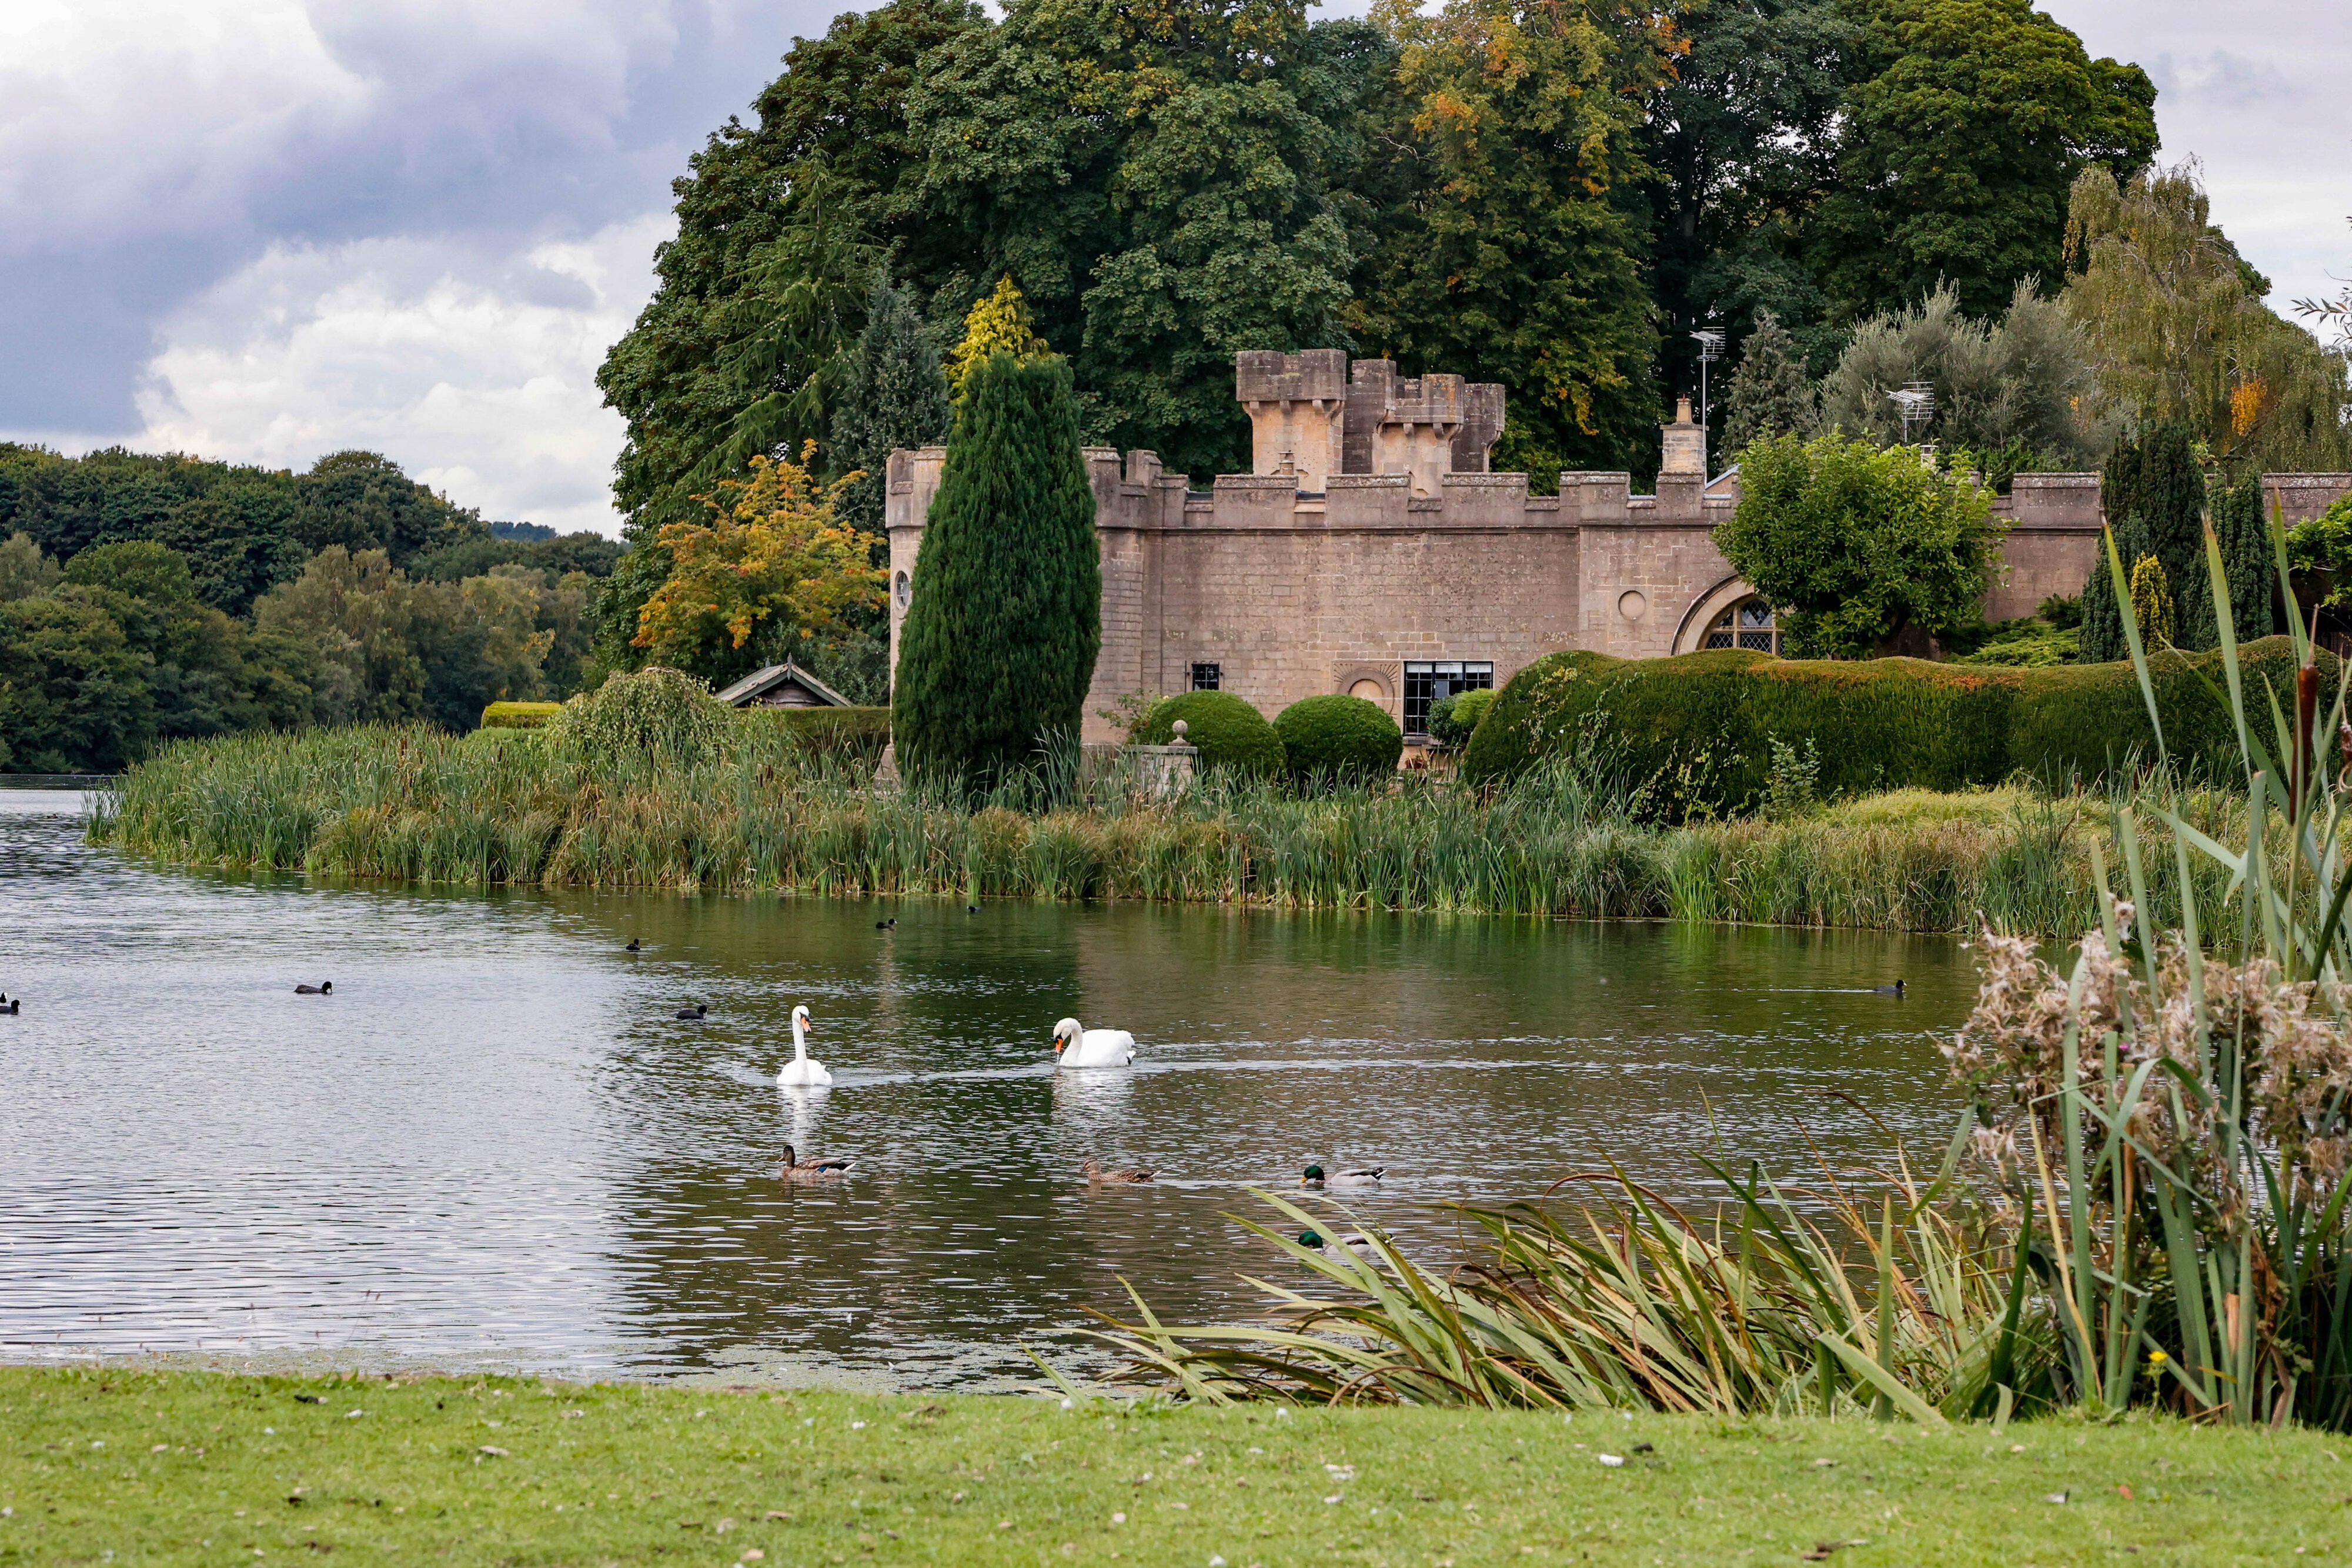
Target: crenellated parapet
x=1370, y=552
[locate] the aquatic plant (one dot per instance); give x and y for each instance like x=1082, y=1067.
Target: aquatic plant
x=1849, y=1299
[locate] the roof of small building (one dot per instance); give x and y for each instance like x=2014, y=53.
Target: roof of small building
x=759, y=683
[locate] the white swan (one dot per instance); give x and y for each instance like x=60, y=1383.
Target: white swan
x=1078, y=1047
x=803, y=1070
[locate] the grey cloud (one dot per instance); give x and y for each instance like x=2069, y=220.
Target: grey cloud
x=490, y=127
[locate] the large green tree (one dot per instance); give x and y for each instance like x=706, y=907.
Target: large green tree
x=759, y=297
x=1741, y=142
x=998, y=647
x=1857, y=543
x=1966, y=124
x=1159, y=180
x=1511, y=254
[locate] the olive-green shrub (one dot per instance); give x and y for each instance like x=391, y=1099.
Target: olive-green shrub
x=656, y=715
x=853, y=733
x=518, y=716
x=1338, y=737
x=1698, y=728
x=1229, y=731
x=1453, y=720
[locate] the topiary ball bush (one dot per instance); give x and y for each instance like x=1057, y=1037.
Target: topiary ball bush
x=1229, y=731
x=1340, y=738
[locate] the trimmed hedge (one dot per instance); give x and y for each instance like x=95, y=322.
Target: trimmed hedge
x=856, y=733
x=1339, y=737
x=518, y=716
x=1703, y=723
x=1229, y=731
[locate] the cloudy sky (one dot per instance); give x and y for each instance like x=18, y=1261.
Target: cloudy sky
x=265, y=229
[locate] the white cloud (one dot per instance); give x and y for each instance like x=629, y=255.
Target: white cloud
x=476, y=373
x=2258, y=96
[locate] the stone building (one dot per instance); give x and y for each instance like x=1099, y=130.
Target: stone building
x=1370, y=550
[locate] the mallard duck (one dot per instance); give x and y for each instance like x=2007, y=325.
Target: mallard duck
x=1894, y=990
x=323, y=988
x=798, y=1169
x=1355, y=1241
x=1074, y=1046
x=1096, y=1173
x=1366, y=1175
x=803, y=1072
x=695, y=1013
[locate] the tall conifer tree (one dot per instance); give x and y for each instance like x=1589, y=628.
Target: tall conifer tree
x=1770, y=392
x=894, y=395
x=2154, y=497
x=998, y=647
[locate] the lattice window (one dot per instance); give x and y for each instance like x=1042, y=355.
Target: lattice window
x=1746, y=624
x=1205, y=677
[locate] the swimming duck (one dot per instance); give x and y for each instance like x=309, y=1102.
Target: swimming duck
x=1094, y=1173
x=637, y=945
x=798, y=1169
x=1355, y=1241
x=698, y=1011
x=889, y=925
x=1894, y=990
x=1365, y=1175
x=323, y=988
x=803, y=1072
x=1074, y=1046
x=15, y=1006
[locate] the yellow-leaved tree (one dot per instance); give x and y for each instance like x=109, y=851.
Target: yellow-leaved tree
x=769, y=562
x=1001, y=322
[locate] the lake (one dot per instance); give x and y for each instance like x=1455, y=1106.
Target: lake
x=494, y=1146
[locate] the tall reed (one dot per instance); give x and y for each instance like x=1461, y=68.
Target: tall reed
x=1860, y=1299
x=414, y=805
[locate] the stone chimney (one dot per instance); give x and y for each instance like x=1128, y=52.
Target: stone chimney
x=1685, y=444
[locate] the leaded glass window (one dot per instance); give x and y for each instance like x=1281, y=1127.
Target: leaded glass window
x=1749, y=624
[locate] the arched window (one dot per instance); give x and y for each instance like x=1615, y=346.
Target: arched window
x=1746, y=624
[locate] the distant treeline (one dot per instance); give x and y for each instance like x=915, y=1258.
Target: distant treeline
x=145, y=598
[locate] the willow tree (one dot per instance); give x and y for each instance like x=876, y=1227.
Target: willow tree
x=999, y=644
x=2178, y=330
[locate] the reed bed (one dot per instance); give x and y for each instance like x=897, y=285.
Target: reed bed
x=415, y=806
x=1847, y=1298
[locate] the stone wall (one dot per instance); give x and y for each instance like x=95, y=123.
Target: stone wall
x=1409, y=550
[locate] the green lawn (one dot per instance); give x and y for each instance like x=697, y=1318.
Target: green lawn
x=112, y=1466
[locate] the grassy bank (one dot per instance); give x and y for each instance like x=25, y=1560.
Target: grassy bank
x=194, y=1467
x=415, y=806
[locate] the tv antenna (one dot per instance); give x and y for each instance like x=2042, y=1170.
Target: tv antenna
x=1710, y=351
x=1915, y=404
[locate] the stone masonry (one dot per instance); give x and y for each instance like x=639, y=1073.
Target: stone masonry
x=1371, y=535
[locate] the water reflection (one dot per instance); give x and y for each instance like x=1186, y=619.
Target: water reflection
x=496, y=1145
